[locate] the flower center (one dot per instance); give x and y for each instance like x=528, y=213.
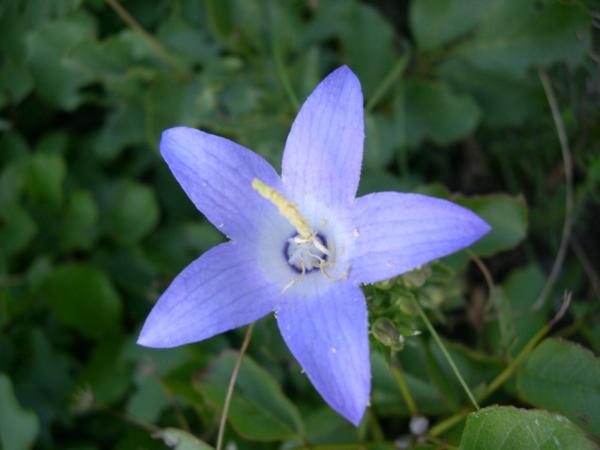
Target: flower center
x=305, y=255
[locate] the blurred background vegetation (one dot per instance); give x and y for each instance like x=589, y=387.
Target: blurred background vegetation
x=93, y=226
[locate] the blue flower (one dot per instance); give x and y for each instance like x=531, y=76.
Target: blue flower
x=300, y=244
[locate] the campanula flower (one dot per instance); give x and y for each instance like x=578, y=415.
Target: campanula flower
x=300, y=244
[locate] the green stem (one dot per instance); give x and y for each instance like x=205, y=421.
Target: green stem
x=387, y=82
x=439, y=342
x=506, y=373
x=283, y=75
x=406, y=395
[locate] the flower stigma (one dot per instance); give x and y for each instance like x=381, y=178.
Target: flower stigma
x=307, y=250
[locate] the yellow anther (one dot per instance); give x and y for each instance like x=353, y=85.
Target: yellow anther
x=286, y=208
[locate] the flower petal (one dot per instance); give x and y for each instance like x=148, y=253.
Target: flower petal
x=323, y=152
x=221, y=290
x=397, y=232
x=216, y=174
x=327, y=332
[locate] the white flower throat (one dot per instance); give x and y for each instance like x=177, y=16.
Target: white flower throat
x=307, y=250
x=306, y=255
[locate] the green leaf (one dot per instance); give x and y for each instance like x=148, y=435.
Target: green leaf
x=438, y=22
x=55, y=80
x=564, y=377
x=381, y=138
x=259, y=410
x=17, y=230
x=367, y=38
x=133, y=212
x=432, y=110
x=517, y=322
x=495, y=93
x=18, y=427
x=505, y=214
x=518, y=34
x=508, y=428
x=46, y=177
x=181, y=440
x=83, y=298
x=79, y=229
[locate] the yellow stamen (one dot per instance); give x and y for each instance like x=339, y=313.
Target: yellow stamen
x=286, y=208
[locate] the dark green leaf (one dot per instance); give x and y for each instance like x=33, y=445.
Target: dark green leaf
x=133, y=212
x=83, y=298
x=517, y=34
x=259, y=410
x=431, y=110
x=505, y=214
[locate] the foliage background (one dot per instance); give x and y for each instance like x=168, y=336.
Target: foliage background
x=93, y=226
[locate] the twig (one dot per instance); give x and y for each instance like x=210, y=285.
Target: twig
x=568, y=166
x=138, y=28
x=442, y=346
x=232, y=380
x=489, y=281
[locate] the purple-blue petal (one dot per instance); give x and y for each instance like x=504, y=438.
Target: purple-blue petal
x=327, y=332
x=398, y=232
x=221, y=290
x=324, y=149
x=216, y=174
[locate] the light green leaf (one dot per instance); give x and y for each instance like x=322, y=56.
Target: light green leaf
x=83, y=298
x=505, y=214
x=259, y=410
x=18, y=427
x=181, y=440
x=564, y=377
x=133, y=212
x=432, y=110
x=508, y=428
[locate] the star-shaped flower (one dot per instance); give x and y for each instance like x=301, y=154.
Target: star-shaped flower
x=300, y=244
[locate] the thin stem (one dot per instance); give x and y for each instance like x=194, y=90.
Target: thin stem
x=406, y=395
x=568, y=167
x=138, y=28
x=387, y=82
x=439, y=342
x=510, y=369
x=448, y=423
x=232, y=380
